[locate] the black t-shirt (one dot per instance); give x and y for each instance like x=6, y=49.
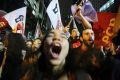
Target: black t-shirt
x=84, y=61
x=79, y=59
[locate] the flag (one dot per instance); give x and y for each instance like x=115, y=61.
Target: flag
x=103, y=29
x=53, y=12
x=16, y=20
x=87, y=11
x=3, y=23
x=59, y=25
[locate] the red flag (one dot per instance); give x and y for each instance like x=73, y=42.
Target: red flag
x=3, y=23
x=104, y=28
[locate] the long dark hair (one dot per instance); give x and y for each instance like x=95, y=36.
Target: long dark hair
x=15, y=45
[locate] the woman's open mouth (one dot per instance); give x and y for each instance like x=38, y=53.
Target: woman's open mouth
x=55, y=50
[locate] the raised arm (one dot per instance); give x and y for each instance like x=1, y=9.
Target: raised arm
x=82, y=18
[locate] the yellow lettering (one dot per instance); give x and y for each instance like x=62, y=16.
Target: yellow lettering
x=112, y=22
x=105, y=39
x=107, y=31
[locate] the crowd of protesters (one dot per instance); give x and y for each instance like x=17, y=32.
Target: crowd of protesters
x=59, y=55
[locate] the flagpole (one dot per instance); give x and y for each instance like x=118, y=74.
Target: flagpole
x=68, y=25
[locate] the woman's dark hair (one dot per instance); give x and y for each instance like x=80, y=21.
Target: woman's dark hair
x=42, y=43
x=41, y=60
x=14, y=57
x=15, y=43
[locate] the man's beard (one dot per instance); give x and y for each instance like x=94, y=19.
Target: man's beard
x=90, y=45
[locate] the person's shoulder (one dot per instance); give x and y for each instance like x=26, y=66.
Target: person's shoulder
x=98, y=53
x=97, y=50
x=74, y=50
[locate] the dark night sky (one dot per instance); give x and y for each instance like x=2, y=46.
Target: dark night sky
x=9, y=5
